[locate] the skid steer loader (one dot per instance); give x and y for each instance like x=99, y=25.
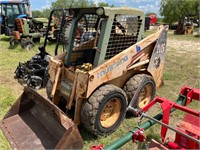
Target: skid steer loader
x=107, y=66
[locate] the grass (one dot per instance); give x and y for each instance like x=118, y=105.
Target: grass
x=182, y=66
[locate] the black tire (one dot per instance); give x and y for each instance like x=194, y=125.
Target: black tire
x=49, y=87
x=27, y=44
x=104, y=99
x=13, y=42
x=51, y=39
x=35, y=82
x=36, y=40
x=147, y=88
x=19, y=72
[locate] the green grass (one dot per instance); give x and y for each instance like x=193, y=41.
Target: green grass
x=181, y=68
x=6, y=99
x=10, y=88
x=44, y=20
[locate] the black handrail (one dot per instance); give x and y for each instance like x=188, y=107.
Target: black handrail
x=60, y=29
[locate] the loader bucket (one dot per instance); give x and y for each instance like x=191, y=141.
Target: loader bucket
x=34, y=122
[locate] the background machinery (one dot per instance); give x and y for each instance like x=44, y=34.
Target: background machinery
x=12, y=9
x=9, y=11
x=15, y=21
x=34, y=72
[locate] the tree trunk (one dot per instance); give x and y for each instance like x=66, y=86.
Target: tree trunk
x=180, y=28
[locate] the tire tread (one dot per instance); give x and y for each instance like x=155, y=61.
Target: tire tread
x=90, y=107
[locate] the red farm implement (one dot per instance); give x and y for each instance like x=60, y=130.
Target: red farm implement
x=187, y=133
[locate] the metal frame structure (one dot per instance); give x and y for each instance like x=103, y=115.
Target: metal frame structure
x=191, y=136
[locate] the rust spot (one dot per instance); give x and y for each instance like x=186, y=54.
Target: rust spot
x=83, y=94
x=81, y=85
x=91, y=77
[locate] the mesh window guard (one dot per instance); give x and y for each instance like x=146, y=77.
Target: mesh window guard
x=86, y=32
x=124, y=33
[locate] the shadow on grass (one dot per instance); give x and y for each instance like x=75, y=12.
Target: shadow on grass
x=89, y=137
x=6, y=39
x=12, y=47
x=86, y=135
x=130, y=115
x=149, y=137
x=49, y=42
x=197, y=36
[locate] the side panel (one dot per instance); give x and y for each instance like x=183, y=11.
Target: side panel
x=119, y=64
x=156, y=65
x=120, y=81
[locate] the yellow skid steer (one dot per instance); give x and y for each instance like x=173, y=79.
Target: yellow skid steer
x=107, y=66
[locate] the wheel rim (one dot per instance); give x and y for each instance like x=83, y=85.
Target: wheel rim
x=145, y=96
x=110, y=113
x=35, y=83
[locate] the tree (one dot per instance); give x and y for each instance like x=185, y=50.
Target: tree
x=77, y=3
x=46, y=13
x=72, y=3
x=37, y=13
x=103, y=4
x=173, y=10
x=68, y=4
x=41, y=14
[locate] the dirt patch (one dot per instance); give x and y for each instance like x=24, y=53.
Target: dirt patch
x=183, y=46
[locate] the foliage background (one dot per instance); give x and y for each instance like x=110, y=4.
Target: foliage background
x=172, y=10
x=68, y=4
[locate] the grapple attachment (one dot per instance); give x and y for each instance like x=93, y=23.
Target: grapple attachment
x=36, y=123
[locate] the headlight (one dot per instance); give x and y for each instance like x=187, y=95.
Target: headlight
x=100, y=11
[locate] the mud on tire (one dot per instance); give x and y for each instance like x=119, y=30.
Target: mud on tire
x=147, y=90
x=104, y=111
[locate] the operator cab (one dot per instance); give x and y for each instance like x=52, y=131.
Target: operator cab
x=93, y=36
x=84, y=39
